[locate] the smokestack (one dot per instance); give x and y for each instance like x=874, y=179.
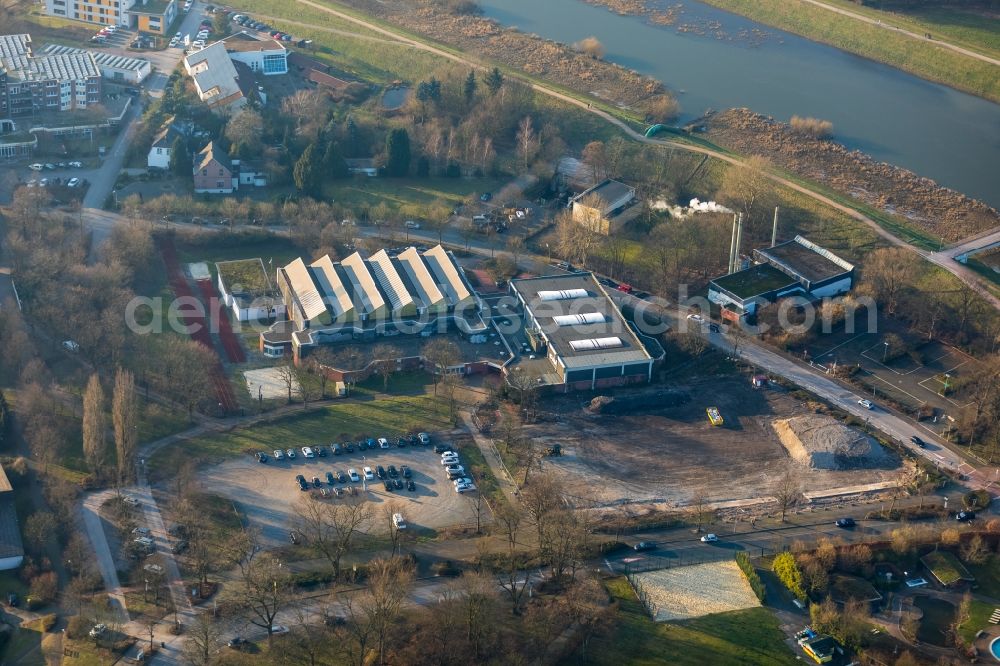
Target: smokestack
x=732, y=247
x=739, y=242
x=774, y=230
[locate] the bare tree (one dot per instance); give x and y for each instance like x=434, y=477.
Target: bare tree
x=264, y=585
x=439, y=355
x=787, y=492
x=389, y=510
x=527, y=141
x=288, y=376
x=747, y=186
x=388, y=585
x=331, y=528
x=202, y=642
x=95, y=425
x=509, y=574
x=887, y=273
x=385, y=359
x=123, y=414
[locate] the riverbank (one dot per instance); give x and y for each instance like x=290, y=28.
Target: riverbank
x=937, y=211
x=534, y=56
x=881, y=42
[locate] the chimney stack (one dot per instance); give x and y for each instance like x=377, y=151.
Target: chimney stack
x=774, y=230
x=732, y=247
x=739, y=242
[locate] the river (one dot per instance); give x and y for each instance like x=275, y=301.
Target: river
x=895, y=117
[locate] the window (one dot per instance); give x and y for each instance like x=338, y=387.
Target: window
x=204, y=172
x=275, y=64
x=221, y=172
x=220, y=184
x=159, y=151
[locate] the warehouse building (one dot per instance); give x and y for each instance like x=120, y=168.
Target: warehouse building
x=389, y=293
x=605, y=207
x=581, y=334
x=796, y=267
x=116, y=68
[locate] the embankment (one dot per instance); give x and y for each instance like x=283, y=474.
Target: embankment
x=925, y=205
x=555, y=62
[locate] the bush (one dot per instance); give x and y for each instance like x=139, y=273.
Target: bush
x=48, y=621
x=743, y=561
x=445, y=568
x=814, y=127
x=788, y=572
x=43, y=589
x=312, y=578
x=591, y=46
x=77, y=627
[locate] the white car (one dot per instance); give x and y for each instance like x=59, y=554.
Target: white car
x=203, y=33
x=70, y=345
x=308, y=452
x=465, y=488
x=449, y=460
x=198, y=44
x=279, y=454
x=398, y=521
x=111, y=28
x=695, y=317
x=353, y=473
x=290, y=453
x=173, y=42
x=179, y=35
x=278, y=629
x=76, y=165
x=461, y=481
x=410, y=224
x=383, y=443
x=369, y=474
x=72, y=182
x=35, y=167
x=454, y=470
x=867, y=404
x=128, y=499
x=424, y=438
x=709, y=538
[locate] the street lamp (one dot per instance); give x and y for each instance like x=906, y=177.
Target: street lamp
x=886, y=352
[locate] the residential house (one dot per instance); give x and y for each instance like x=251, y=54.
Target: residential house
x=163, y=142
x=216, y=173
x=31, y=84
x=605, y=207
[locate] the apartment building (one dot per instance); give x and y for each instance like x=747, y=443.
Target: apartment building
x=32, y=84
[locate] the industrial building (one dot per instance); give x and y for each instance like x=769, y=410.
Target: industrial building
x=116, y=68
x=31, y=84
x=574, y=325
x=389, y=293
x=605, y=207
x=795, y=267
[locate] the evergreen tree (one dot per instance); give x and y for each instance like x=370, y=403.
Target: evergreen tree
x=423, y=167
x=397, y=149
x=307, y=172
x=180, y=163
x=333, y=161
x=469, y=89
x=494, y=81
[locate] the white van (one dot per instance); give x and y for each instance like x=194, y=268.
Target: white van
x=398, y=521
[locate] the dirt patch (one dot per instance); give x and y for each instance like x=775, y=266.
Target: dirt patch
x=822, y=442
x=922, y=202
x=683, y=593
x=662, y=458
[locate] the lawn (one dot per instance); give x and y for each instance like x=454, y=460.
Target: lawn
x=987, y=577
x=920, y=57
x=367, y=413
x=740, y=637
x=979, y=615
x=25, y=646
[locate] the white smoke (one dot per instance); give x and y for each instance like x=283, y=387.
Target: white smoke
x=695, y=206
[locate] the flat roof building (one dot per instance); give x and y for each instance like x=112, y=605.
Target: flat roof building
x=795, y=267
x=388, y=293
x=265, y=56
x=582, y=333
x=31, y=84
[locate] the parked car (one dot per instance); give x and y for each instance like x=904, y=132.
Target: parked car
x=369, y=474
x=644, y=545
x=424, y=438
x=695, y=317
x=388, y=485
x=965, y=516
x=465, y=487
x=338, y=449
x=179, y=547
x=236, y=643
x=338, y=491
x=383, y=443
x=371, y=443
x=341, y=477
x=846, y=523
x=393, y=472
x=301, y=480
x=454, y=470
x=353, y=473
x=380, y=471
x=486, y=196
x=261, y=457
x=320, y=450
x=278, y=629
x=307, y=452
x=447, y=459
x=330, y=478
x=412, y=487
x=76, y=165
x=316, y=482
x=405, y=471
x=348, y=447
x=36, y=167
x=279, y=454
x=918, y=442
x=709, y=538
x=867, y=404
x=401, y=442
x=398, y=521
x=441, y=448
x=290, y=453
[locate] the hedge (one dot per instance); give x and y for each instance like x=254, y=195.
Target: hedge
x=787, y=571
x=743, y=562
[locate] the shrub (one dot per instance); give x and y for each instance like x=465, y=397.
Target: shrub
x=788, y=572
x=312, y=578
x=43, y=589
x=814, y=127
x=77, y=627
x=591, y=46
x=743, y=562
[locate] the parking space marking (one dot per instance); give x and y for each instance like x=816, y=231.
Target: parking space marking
x=897, y=388
x=831, y=349
x=875, y=360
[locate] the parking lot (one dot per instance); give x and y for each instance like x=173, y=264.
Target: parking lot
x=267, y=493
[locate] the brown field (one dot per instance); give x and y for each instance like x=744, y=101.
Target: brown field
x=674, y=455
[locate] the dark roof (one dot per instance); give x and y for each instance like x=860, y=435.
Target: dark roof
x=822, y=646
x=242, y=41
x=166, y=137
x=212, y=152
x=754, y=281
x=5, y=486
x=609, y=191
x=10, y=531
x=802, y=259
x=324, y=79
x=596, y=300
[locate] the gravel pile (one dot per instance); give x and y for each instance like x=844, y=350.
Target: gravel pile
x=821, y=442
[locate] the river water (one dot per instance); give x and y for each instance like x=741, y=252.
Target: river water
x=728, y=61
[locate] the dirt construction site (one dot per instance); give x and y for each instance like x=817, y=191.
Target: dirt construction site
x=664, y=457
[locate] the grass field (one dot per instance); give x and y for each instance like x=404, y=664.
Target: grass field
x=367, y=413
x=979, y=615
x=987, y=577
x=922, y=58
x=400, y=192
x=740, y=637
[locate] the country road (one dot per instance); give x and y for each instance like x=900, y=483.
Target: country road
x=968, y=277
